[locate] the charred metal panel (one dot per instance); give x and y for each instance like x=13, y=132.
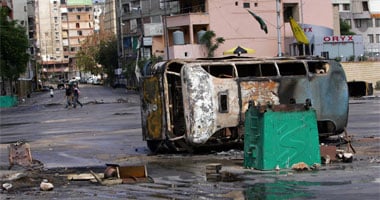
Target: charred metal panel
x=330, y=98
x=259, y=91
x=151, y=108
x=202, y=103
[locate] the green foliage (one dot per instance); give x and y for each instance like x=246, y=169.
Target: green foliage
x=207, y=39
x=345, y=28
x=13, y=48
x=108, y=57
x=86, y=60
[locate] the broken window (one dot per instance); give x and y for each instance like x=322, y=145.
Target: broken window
x=291, y=68
x=220, y=71
x=318, y=67
x=223, y=102
x=256, y=70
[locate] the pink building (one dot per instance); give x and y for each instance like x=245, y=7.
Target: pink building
x=232, y=21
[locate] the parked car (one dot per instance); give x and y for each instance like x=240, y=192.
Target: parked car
x=97, y=81
x=61, y=84
x=90, y=80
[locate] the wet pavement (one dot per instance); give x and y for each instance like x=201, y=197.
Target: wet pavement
x=108, y=130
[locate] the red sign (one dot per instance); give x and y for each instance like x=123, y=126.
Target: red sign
x=341, y=38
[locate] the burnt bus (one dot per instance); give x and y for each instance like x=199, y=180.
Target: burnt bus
x=186, y=103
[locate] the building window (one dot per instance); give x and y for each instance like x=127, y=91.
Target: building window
x=365, y=6
x=377, y=38
x=79, y=33
x=79, y=9
x=246, y=5
x=358, y=23
x=346, y=7
x=72, y=49
x=377, y=22
x=236, y=3
x=370, y=38
x=369, y=23
x=156, y=19
x=78, y=17
x=77, y=25
x=291, y=10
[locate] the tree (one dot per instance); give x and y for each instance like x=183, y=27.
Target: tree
x=207, y=39
x=345, y=28
x=108, y=57
x=13, y=48
x=87, y=56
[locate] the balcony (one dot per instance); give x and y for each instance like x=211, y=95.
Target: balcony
x=187, y=20
x=187, y=51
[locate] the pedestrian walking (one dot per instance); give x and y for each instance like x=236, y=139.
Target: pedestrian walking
x=51, y=91
x=68, y=95
x=76, y=97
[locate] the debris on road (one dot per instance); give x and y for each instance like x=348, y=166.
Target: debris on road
x=46, y=186
x=213, y=172
x=116, y=174
x=328, y=153
x=6, y=186
x=20, y=154
x=301, y=166
x=82, y=177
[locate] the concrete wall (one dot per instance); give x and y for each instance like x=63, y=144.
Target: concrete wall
x=362, y=71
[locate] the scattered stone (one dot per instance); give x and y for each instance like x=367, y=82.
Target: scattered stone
x=301, y=166
x=347, y=157
x=46, y=186
x=6, y=186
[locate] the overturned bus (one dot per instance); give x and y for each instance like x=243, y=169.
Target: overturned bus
x=202, y=102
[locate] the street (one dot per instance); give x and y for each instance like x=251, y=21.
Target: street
x=107, y=130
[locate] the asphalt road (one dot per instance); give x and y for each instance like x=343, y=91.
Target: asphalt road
x=107, y=129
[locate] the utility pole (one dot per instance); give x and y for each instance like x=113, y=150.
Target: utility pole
x=278, y=28
x=166, y=37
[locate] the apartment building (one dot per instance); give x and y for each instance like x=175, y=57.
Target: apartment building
x=364, y=18
x=172, y=29
x=61, y=27
x=141, y=26
x=109, y=17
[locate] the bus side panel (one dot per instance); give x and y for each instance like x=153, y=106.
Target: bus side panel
x=210, y=103
x=330, y=97
x=295, y=87
x=151, y=109
x=260, y=91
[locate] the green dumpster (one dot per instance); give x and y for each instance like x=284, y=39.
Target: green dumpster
x=279, y=136
x=8, y=101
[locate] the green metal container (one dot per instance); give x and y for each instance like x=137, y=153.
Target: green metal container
x=281, y=136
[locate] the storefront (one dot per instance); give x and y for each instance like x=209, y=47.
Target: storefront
x=324, y=43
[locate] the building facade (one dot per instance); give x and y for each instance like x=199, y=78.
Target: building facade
x=171, y=29
x=61, y=27
x=363, y=16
